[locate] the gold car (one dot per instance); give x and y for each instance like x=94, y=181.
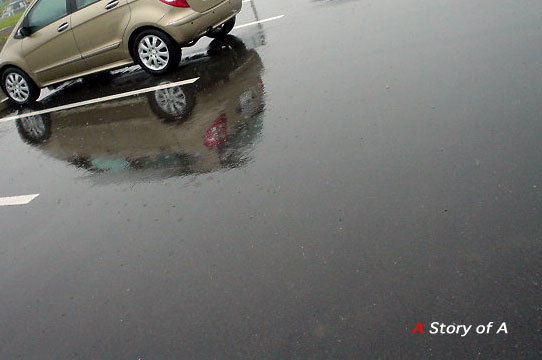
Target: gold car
x=58, y=40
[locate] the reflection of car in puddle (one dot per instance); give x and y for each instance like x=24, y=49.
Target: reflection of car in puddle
x=179, y=130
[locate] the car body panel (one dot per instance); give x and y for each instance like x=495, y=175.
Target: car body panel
x=50, y=54
x=146, y=13
x=192, y=25
x=99, y=32
x=203, y=5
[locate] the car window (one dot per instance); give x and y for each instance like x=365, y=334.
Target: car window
x=46, y=12
x=79, y=4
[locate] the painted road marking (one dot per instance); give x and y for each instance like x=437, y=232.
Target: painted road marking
x=259, y=22
x=17, y=200
x=99, y=100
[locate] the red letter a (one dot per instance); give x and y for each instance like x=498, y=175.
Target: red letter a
x=418, y=328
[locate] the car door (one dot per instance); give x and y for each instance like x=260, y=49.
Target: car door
x=98, y=27
x=50, y=51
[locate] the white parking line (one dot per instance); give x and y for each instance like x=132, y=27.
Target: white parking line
x=259, y=22
x=17, y=200
x=99, y=100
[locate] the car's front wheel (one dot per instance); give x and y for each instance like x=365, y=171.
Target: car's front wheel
x=34, y=129
x=222, y=30
x=19, y=87
x=156, y=52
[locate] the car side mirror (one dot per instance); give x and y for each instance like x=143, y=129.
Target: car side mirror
x=25, y=31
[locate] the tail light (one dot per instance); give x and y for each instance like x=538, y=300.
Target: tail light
x=177, y=3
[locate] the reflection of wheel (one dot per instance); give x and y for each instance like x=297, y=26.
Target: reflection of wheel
x=156, y=52
x=19, y=87
x=226, y=44
x=172, y=104
x=34, y=129
x=222, y=30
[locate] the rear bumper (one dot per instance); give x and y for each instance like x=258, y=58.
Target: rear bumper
x=185, y=27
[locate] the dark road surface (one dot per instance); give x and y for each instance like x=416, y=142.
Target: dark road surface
x=333, y=178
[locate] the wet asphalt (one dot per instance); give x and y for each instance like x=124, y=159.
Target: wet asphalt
x=333, y=178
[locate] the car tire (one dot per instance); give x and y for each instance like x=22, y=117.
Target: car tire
x=156, y=52
x=19, y=87
x=227, y=44
x=222, y=30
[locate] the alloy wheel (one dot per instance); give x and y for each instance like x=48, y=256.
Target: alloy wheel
x=153, y=52
x=172, y=100
x=17, y=87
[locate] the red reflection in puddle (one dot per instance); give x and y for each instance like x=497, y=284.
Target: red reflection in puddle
x=217, y=133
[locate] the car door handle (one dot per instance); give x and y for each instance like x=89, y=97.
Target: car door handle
x=110, y=5
x=63, y=27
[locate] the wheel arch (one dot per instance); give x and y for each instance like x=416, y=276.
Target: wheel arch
x=4, y=67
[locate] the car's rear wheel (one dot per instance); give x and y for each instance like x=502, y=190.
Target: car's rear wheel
x=173, y=104
x=222, y=30
x=19, y=87
x=156, y=52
